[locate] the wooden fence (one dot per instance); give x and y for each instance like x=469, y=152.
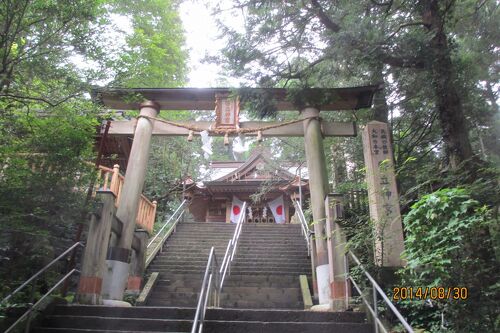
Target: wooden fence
x=356, y=200
x=112, y=180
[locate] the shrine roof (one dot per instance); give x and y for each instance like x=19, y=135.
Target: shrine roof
x=350, y=98
x=256, y=170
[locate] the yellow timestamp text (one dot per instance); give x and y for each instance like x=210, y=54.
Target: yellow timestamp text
x=434, y=293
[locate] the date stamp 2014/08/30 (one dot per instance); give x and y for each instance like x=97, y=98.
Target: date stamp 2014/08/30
x=434, y=293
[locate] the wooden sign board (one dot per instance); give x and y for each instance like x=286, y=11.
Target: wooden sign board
x=227, y=110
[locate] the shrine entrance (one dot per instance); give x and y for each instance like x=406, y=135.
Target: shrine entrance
x=224, y=197
x=266, y=188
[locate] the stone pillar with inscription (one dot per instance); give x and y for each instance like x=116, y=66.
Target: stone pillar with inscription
x=382, y=195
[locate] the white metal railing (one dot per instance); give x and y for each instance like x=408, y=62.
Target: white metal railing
x=214, y=275
x=375, y=287
x=208, y=286
x=232, y=245
x=376, y=290
x=165, y=231
x=306, y=231
x=33, y=279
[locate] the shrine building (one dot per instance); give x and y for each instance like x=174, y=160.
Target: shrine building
x=268, y=190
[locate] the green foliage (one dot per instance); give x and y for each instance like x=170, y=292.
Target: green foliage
x=52, y=53
x=260, y=104
x=153, y=56
x=448, y=244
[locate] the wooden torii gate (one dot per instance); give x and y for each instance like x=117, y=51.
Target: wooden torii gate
x=150, y=101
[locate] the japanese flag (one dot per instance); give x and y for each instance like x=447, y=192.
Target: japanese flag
x=278, y=209
x=236, y=209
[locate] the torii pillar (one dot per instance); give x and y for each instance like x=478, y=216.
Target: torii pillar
x=318, y=186
x=118, y=258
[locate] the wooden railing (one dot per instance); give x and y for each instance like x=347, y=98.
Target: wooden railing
x=112, y=180
x=356, y=200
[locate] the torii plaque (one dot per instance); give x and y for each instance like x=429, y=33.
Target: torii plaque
x=227, y=111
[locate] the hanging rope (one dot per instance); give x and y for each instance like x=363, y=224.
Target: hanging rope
x=227, y=131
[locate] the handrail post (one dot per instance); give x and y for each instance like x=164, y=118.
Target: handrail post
x=347, y=285
x=376, y=289
x=375, y=309
x=32, y=301
x=115, y=179
x=153, y=215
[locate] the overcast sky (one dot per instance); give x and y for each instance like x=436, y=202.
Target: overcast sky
x=201, y=37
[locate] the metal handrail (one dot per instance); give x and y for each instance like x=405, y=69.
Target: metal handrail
x=206, y=286
x=41, y=271
x=213, y=271
x=376, y=289
x=179, y=212
x=33, y=279
x=306, y=231
x=166, y=223
x=231, y=249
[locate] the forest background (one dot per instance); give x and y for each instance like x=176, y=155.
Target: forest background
x=437, y=62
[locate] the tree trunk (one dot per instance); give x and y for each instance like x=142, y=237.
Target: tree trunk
x=380, y=108
x=451, y=115
x=491, y=138
x=339, y=170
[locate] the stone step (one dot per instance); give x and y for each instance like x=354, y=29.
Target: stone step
x=229, y=290
x=236, y=304
x=298, y=260
x=191, y=298
x=241, y=246
x=115, y=323
x=245, y=241
x=234, y=268
x=195, y=284
x=240, y=271
x=242, y=249
x=240, y=252
x=212, y=314
x=283, y=278
x=189, y=231
x=86, y=330
x=245, y=253
x=238, y=292
x=302, y=259
x=97, y=319
x=203, y=233
x=251, y=304
x=277, y=326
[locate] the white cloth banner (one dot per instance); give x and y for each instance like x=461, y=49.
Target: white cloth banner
x=236, y=209
x=278, y=208
x=206, y=144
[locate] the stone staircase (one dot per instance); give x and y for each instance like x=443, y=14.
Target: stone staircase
x=262, y=294
x=265, y=273
x=182, y=263
x=102, y=319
